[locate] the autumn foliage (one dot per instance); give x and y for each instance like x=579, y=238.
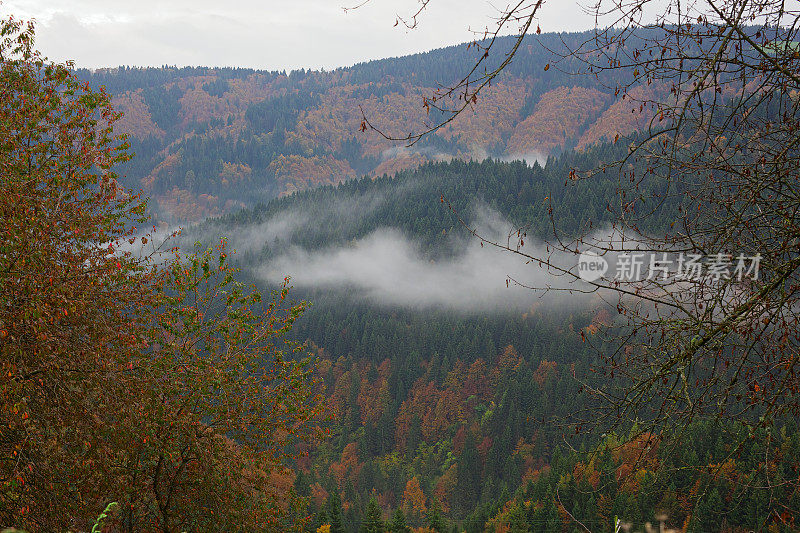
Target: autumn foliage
x=211, y=140
x=69, y=320
x=167, y=387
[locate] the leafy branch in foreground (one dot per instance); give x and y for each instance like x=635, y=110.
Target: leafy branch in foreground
x=231, y=397
x=714, y=86
x=167, y=387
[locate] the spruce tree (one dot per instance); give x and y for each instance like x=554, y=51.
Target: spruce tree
x=435, y=519
x=398, y=523
x=335, y=513
x=372, y=518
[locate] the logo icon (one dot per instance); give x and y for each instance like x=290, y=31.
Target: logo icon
x=591, y=266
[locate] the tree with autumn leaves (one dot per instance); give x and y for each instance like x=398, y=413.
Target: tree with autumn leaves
x=168, y=387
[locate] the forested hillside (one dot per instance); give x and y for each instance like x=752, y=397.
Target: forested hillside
x=464, y=417
x=209, y=141
x=235, y=300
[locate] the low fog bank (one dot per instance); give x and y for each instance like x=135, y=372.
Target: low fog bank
x=309, y=221
x=388, y=268
x=404, y=151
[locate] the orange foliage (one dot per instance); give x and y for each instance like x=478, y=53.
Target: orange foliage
x=531, y=461
x=413, y=498
x=418, y=403
x=459, y=440
x=374, y=397
x=199, y=106
x=337, y=118
x=169, y=165
x=397, y=164
x=444, y=413
x=302, y=456
x=532, y=475
x=586, y=473
x=509, y=360
x=623, y=117
x=559, y=115
x=185, y=205
x=445, y=487
x=282, y=479
x=341, y=366
x=544, y=369
x=440, y=409
x=233, y=173
x=491, y=121
x=254, y=88
x=602, y=317
x=338, y=400
x=566, y=519
x=348, y=466
x=321, y=131
x=296, y=173
x=136, y=120
x=501, y=523
x=726, y=471
x=639, y=453
x=604, y=505
x=484, y=447
x=641, y=450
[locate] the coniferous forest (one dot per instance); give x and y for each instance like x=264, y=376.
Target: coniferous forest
x=465, y=421
x=240, y=300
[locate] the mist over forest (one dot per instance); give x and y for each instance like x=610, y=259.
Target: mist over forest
x=246, y=300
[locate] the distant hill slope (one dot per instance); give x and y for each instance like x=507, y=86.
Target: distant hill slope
x=208, y=141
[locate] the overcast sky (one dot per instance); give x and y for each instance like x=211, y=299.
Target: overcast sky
x=266, y=34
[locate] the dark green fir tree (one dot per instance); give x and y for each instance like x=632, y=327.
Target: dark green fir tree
x=373, y=523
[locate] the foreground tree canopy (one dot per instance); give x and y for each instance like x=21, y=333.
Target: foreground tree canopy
x=165, y=386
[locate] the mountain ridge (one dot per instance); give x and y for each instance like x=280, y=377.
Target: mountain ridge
x=210, y=141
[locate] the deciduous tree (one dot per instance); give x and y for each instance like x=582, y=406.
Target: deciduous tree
x=168, y=387
x=224, y=397
x=69, y=305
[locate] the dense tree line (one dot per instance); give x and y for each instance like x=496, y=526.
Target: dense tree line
x=531, y=196
x=475, y=413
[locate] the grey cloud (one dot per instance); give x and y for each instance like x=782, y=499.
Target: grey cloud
x=261, y=34
x=286, y=224
x=388, y=268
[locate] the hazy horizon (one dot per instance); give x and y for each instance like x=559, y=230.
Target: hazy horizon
x=98, y=34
